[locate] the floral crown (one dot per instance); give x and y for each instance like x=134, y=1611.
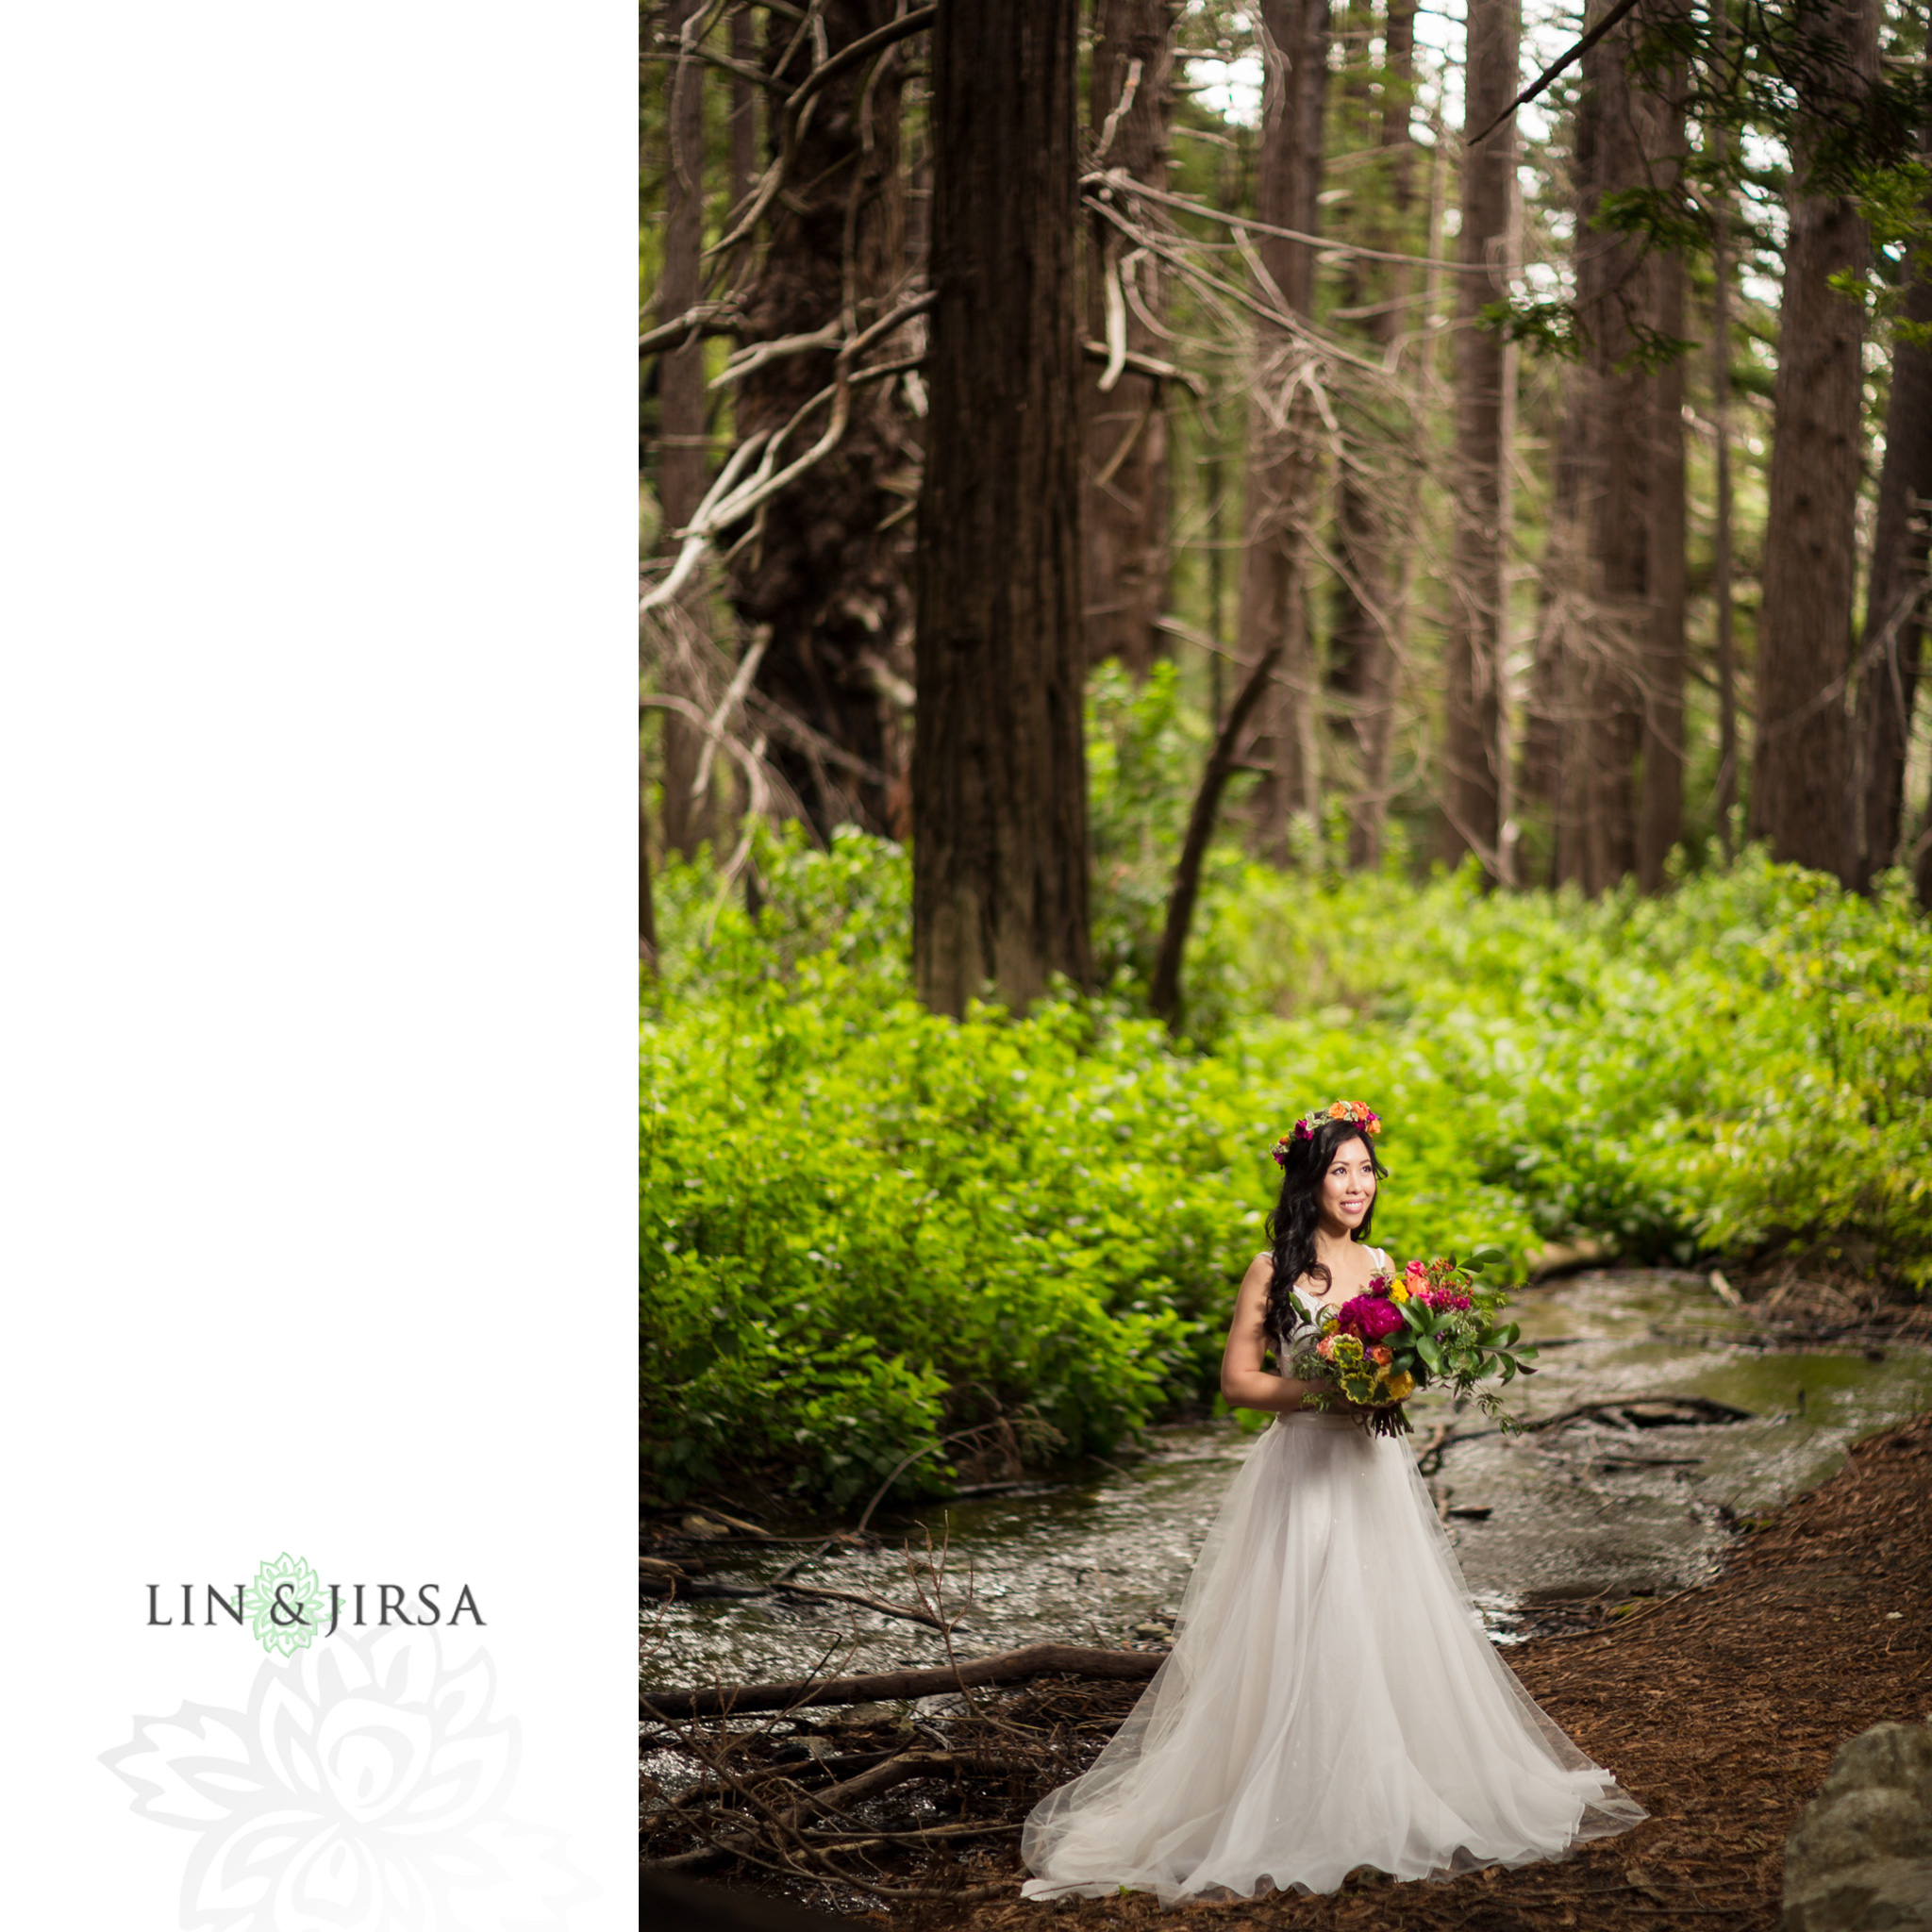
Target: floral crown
x=1366, y=1118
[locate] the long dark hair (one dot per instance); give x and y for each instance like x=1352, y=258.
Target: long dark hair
x=1299, y=1212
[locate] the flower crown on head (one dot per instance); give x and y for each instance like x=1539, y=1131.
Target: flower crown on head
x=1366, y=1118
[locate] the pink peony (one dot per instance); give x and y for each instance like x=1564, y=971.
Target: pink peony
x=1369, y=1317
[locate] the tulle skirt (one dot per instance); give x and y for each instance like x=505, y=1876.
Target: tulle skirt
x=1331, y=1701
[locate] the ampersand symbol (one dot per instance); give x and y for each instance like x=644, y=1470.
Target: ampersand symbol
x=275, y=1608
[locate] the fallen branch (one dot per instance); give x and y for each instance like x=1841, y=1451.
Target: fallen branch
x=1008, y=1667
x=903, y=1769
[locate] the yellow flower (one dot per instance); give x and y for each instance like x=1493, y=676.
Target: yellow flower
x=1400, y=1386
x=1397, y=1292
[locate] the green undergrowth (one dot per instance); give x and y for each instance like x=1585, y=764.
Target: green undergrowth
x=864, y=1227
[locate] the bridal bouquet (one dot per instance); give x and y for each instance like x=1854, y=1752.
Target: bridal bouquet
x=1434, y=1324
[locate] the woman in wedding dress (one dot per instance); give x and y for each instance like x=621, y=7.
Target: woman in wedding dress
x=1331, y=1700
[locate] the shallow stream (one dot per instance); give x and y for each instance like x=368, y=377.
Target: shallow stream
x=1618, y=1507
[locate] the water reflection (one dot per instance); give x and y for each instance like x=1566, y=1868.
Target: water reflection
x=1570, y=1510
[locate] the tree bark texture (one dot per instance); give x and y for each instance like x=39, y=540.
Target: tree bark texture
x=1726, y=788
x=1661, y=803
x=1282, y=459
x=744, y=108
x=1560, y=585
x=1889, y=680
x=1473, y=650
x=681, y=465
x=999, y=796
x=1799, y=768
x=1620, y=143
x=1124, y=426
x=834, y=585
x=1374, y=496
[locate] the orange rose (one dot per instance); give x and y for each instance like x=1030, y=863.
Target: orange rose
x=1381, y=1355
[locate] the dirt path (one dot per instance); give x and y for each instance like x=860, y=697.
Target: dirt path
x=1718, y=1710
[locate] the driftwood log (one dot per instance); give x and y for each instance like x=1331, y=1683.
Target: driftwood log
x=1008, y=1667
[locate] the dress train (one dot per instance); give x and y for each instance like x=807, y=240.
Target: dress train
x=1331, y=1701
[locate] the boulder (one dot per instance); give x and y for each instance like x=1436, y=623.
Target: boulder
x=1861, y=1858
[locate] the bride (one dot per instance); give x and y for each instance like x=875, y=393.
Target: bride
x=1331, y=1700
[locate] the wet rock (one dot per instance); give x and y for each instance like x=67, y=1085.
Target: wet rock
x=1861, y=1859
x=705, y=1528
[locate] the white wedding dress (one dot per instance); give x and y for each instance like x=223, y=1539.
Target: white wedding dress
x=1331, y=1701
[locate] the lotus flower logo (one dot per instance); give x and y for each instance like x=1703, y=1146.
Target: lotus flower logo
x=290, y=1605
x=362, y=1791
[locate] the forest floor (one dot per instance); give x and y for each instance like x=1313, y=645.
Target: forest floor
x=1718, y=1708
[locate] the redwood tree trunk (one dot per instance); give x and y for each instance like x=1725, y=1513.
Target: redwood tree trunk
x=1123, y=512
x=1374, y=496
x=1889, y=682
x=1799, y=769
x=998, y=778
x=681, y=468
x=1281, y=455
x=744, y=108
x=1473, y=652
x=835, y=588
x=1618, y=143
x=1661, y=805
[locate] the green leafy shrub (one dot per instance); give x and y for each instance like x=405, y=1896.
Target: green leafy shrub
x=864, y=1226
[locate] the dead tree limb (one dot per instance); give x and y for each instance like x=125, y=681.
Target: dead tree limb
x=1008, y=1667
x=1222, y=764
x=1556, y=66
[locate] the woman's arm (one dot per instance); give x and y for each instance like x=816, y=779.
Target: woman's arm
x=1243, y=1381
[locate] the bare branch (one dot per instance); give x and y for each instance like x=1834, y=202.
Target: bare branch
x=1120, y=110
x=1551, y=71
x=680, y=328
x=734, y=697
x=1116, y=305
x=1148, y=365
x=1118, y=178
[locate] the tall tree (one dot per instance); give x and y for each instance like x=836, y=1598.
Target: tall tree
x=1799, y=768
x=1374, y=485
x=829, y=572
x=681, y=468
x=999, y=850
x=1889, y=678
x=1281, y=457
x=1623, y=660
x=1473, y=656
x=1123, y=431
x=1661, y=803
x=1721, y=588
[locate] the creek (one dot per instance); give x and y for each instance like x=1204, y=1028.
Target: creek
x=1636, y=1501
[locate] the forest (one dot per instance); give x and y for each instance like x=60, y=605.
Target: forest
x=1197, y=557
